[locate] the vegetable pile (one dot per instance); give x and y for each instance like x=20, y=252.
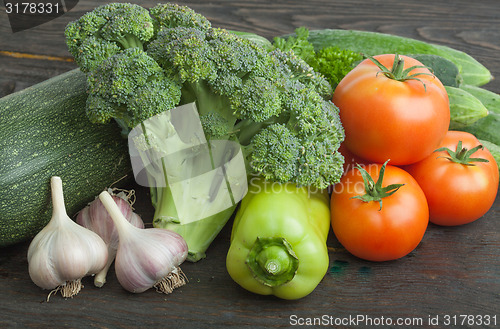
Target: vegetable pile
x=472, y=108
x=140, y=63
x=370, y=134
x=399, y=118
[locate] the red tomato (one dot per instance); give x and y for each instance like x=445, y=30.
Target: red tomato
x=385, y=118
x=373, y=233
x=457, y=193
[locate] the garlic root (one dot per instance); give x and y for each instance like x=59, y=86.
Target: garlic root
x=173, y=280
x=68, y=289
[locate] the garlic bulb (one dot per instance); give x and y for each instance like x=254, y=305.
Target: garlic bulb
x=146, y=257
x=96, y=218
x=63, y=252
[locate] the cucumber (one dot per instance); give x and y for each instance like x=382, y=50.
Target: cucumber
x=444, y=69
x=489, y=99
x=494, y=150
x=374, y=43
x=259, y=40
x=465, y=109
x=487, y=128
x=44, y=132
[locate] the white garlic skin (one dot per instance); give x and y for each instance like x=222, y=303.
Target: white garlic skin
x=63, y=250
x=147, y=256
x=96, y=218
x=65, y=253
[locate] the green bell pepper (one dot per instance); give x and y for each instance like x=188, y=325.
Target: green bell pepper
x=278, y=241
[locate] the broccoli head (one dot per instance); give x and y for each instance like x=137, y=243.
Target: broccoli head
x=171, y=15
x=106, y=31
x=129, y=87
x=265, y=100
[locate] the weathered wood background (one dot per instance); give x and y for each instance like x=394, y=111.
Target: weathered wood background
x=454, y=271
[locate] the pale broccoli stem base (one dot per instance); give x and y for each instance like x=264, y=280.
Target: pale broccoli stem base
x=199, y=234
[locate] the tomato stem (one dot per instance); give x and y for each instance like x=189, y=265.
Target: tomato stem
x=375, y=191
x=462, y=155
x=398, y=72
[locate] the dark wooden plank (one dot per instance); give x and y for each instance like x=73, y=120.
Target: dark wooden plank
x=453, y=271
x=427, y=20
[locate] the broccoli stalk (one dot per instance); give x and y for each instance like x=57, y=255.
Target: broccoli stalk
x=271, y=104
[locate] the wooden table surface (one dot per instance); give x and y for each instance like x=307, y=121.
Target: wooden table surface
x=452, y=273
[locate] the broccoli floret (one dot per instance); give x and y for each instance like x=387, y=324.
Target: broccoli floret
x=129, y=87
x=107, y=30
x=185, y=51
x=319, y=156
x=214, y=125
x=278, y=148
x=318, y=161
x=171, y=15
x=258, y=99
x=92, y=52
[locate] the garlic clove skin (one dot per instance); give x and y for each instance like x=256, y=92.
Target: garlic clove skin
x=100, y=278
x=42, y=271
x=145, y=257
x=96, y=218
x=64, y=251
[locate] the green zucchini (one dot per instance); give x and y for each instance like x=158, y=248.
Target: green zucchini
x=465, y=109
x=44, y=132
x=374, y=43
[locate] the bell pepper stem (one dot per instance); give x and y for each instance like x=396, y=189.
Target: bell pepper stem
x=272, y=261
